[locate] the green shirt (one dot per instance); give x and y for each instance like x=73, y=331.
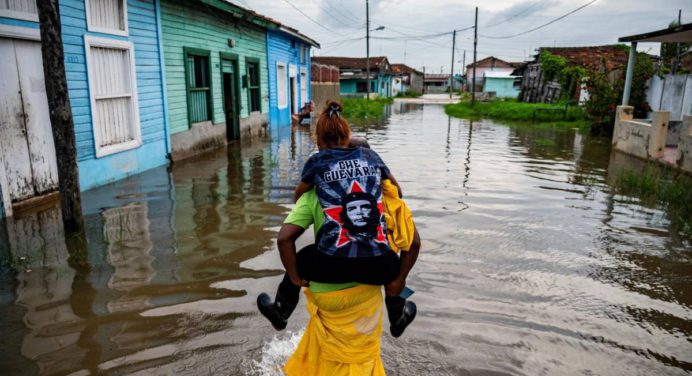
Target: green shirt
x=307, y=212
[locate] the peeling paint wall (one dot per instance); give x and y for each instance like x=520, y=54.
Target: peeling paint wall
x=671, y=93
x=639, y=138
x=684, y=159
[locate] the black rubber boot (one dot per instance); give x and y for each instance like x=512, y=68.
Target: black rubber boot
x=278, y=311
x=401, y=313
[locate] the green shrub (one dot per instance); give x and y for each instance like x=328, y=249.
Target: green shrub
x=511, y=110
x=408, y=94
x=361, y=108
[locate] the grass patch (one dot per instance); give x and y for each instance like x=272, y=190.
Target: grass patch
x=660, y=186
x=513, y=111
x=361, y=108
x=408, y=94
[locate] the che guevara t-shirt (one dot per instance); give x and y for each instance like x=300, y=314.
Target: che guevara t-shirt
x=348, y=186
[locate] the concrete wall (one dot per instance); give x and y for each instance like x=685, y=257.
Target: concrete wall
x=684, y=157
x=323, y=91
x=671, y=93
x=416, y=82
x=640, y=138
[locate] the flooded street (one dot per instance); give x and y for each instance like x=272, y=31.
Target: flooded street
x=530, y=265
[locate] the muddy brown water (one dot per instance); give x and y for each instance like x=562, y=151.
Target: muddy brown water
x=530, y=264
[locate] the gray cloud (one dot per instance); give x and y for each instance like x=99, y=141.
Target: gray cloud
x=601, y=23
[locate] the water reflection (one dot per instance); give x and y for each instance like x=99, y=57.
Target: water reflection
x=531, y=265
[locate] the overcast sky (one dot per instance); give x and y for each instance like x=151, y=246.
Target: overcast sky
x=339, y=25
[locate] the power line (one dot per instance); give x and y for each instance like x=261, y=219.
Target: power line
x=310, y=18
x=515, y=15
x=542, y=26
x=335, y=16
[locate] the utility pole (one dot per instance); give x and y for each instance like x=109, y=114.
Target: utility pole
x=423, y=79
x=367, y=45
x=463, y=67
x=60, y=115
x=475, y=43
x=677, y=53
x=451, y=76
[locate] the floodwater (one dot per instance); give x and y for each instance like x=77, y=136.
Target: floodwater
x=530, y=264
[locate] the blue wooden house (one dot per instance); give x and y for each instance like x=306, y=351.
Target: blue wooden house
x=115, y=77
x=288, y=61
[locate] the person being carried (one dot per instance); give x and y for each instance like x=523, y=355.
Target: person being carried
x=352, y=245
x=304, y=115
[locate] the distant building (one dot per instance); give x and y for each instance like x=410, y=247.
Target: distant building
x=535, y=88
x=353, y=74
x=438, y=83
x=406, y=79
x=489, y=64
x=503, y=84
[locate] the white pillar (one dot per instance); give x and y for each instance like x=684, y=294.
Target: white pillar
x=630, y=72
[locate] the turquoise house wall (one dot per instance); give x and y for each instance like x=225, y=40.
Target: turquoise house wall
x=503, y=87
x=349, y=87
x=144, y=35
x=193, y=25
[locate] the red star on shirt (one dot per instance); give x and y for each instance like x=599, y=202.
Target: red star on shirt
x=334, y=213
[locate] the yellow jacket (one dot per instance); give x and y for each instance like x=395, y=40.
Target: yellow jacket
x=400, y=225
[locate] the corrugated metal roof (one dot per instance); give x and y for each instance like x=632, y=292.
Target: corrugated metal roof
x=498, y=74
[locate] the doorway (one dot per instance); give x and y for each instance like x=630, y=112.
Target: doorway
x=294, y=95
x=230, y=98
x=27, y=152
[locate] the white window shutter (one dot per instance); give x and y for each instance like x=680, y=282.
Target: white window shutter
x=281, y=86
x=112, y=87
x=107, y=16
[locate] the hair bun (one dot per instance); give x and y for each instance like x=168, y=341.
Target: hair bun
x=334, y=109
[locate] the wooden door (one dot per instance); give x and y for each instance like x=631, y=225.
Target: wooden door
x=27, y=153
x=230, y=99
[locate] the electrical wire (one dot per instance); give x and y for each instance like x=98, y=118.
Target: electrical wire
x=336, y=16
x=311, y=19
x=541, y=26
x=516, y=14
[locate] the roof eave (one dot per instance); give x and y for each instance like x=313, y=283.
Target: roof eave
x=681, y=33
x=299, y=36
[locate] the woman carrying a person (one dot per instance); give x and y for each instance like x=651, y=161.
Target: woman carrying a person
x=352, y=256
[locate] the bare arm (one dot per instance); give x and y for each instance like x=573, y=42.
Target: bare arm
x=407, y=260
x=286, y=241
x=300, y=189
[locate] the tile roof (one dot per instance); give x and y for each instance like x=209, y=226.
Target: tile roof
x=403, y=69
x=351, y=62
x=613, y=56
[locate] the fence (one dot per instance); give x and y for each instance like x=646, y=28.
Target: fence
x=671, y=93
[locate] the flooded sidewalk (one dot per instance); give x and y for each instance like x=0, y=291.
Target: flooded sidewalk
x=530, y=263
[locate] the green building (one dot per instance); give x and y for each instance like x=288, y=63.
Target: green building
x=215, y=56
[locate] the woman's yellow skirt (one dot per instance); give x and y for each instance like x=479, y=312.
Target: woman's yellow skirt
x=342, y=337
